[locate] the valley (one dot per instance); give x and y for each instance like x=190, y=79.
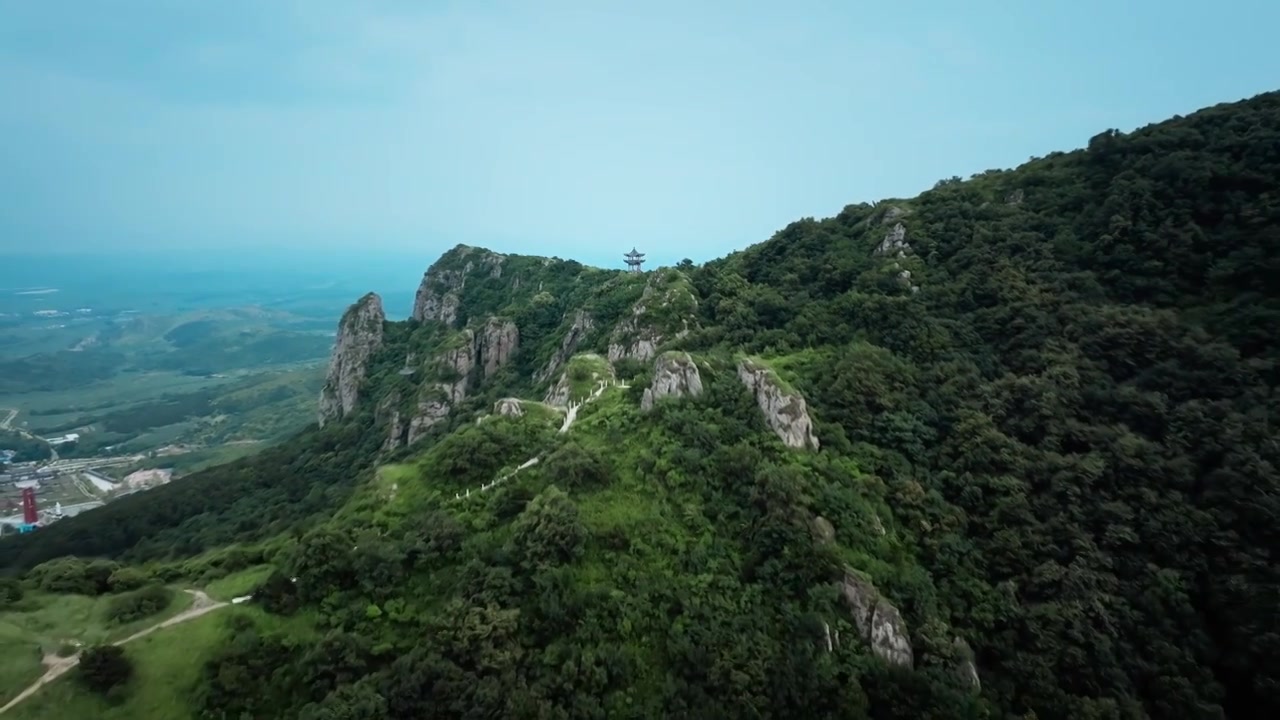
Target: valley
x=100, y=399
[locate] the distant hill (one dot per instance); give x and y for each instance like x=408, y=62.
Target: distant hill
x=1004, y=449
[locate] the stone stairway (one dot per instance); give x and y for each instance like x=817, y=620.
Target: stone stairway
x=571, y=414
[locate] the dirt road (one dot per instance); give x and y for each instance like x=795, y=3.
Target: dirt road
x=56, y=666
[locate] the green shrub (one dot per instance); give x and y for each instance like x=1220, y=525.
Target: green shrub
x=74, y=575
x=11, y=592
x=126, y=579
x=104, y=668
x=138, y=604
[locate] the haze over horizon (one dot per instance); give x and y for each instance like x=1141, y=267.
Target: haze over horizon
x=279, y=128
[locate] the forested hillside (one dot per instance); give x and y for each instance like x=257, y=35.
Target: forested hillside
x=1007, y=449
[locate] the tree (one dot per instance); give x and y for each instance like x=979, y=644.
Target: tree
x=104, y=668
x=277, y=594
x=577, y=467
x=549, y=531
x=11, y=592
x=349, y=702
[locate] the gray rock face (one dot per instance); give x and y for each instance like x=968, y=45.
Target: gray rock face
x=674, y=375
x=642, y=344
x=497, y=343
x=389, y=413
x=437, y=297
x=639, y=336
x=878, y=621
x=558, y=394
x=904, y=278
x=786, y=413
x=492, y=347
x=429, y=413
x=964, y=664
x=895, y=242
x=892, y=215
x=440, y=293
x=509, y=407
x=824, y=533
x=359, y=336
x=582, y=325
x=436, y=399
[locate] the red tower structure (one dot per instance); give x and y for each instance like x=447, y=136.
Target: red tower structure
x=30, y=515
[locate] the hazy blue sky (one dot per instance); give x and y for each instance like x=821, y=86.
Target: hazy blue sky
x=685, y=128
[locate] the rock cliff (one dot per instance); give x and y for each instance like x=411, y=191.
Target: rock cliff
x=785, y=411
x=440, y=293
x=452, y=371
x=878, y=621
x=674, y=375
x=359, y=336
x=895, y=242
x=451, y=376
x=496, y=344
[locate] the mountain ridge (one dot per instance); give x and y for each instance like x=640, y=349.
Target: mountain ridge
x=1002, y=449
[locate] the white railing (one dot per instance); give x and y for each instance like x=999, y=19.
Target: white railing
x=571, y=414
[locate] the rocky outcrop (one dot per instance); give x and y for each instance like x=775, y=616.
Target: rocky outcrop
x=895, y=242
x=558, y=394
x=892, y=214
x=964, y=665
x=440, y=292
x=904, y=278
x=388, y=415
x=453, y=370
x=642, y=344
x=438, y=297
x=510, y=407
x=430, y=411
x=578, y=330
x=496, y=344
x=359, y=336
x=785, y=412
x=877, y=620
x=824, y=533
x=665, y=311
x=674, y=375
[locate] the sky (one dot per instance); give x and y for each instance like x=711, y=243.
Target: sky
x=382, y=133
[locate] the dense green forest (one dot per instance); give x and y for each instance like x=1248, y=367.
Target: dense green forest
x=1043, y=403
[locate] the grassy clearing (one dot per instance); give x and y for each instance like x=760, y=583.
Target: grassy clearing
x=541, y=412
x=584, y=372
x=43, y=623
x=238, y=584
x=19, y=660
x=167, y=666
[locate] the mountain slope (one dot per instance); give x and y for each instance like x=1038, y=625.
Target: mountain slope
x=1003, y=449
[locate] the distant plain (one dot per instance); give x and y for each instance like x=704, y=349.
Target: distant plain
x=205, y=359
